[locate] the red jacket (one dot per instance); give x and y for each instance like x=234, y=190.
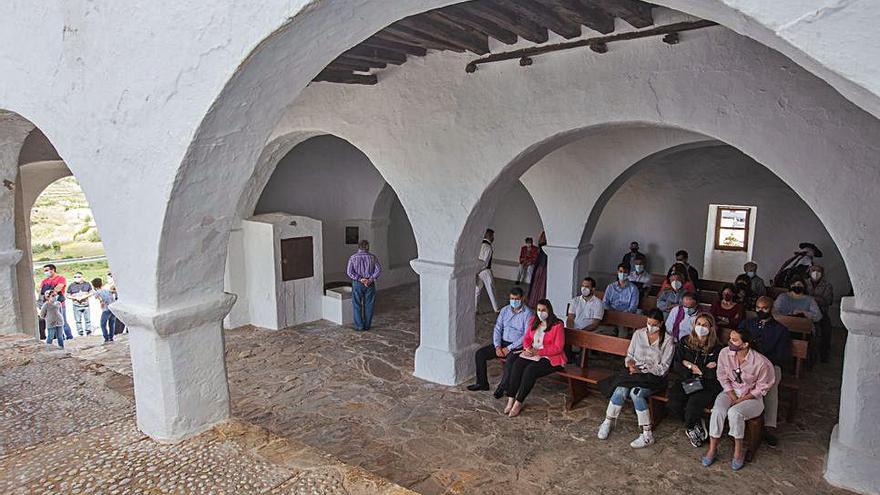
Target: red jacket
x=554, y=341
x=527, y=255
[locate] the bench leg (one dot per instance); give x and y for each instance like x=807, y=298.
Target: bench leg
x=792, y=406
x=658, y=411
x=577, y=390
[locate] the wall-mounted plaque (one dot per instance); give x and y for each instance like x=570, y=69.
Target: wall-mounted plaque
x=352, y=235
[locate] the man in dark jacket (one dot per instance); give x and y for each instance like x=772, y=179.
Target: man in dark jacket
x=772, y=340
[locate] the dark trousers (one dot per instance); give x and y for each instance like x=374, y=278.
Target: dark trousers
x=486, y=354
x=824, y=327
x=523, y=375
x=690, y=407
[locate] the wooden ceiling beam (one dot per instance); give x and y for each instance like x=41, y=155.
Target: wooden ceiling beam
x=397, y=31
x=360, y=63
x=353, y=65
x=428, y=25
x=583, y=13
x=346, y=77
x=485, y=26
x=543, y=16
x=375, y=54
x=407, y=49
x=505, y=19
x=636, y=13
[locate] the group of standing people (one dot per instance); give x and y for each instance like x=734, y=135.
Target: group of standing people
x=532, y=270
x=52, y=300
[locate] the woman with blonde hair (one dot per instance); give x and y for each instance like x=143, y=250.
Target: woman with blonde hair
x=695, y=384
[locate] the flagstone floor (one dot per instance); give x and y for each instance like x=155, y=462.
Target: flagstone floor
x=353, y=396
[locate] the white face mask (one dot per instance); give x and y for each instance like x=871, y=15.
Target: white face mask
x=676, y=284
x=701, y=330
x=542, y=315
x=815, y=275
x=621, y=276
x=639, y=268
x=586, y=291
x=653, y=329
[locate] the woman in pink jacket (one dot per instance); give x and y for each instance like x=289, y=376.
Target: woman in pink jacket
x=542, y=355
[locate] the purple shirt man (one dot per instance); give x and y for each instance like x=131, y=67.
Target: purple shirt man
x=363, y=270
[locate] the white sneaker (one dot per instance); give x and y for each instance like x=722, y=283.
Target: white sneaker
x=645, y=439
x=605, y=429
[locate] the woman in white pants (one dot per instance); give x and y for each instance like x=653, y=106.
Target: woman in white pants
x=746, y=376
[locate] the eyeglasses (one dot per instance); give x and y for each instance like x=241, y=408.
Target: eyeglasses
x=738, y=375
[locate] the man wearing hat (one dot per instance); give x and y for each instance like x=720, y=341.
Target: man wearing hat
x=798, y=266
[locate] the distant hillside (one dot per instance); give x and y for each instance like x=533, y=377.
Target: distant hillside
x=62, y=225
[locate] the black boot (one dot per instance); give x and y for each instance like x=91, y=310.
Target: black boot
x=770, y=439
x=477, y=387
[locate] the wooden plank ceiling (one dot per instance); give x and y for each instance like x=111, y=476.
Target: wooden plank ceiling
x=468, y=26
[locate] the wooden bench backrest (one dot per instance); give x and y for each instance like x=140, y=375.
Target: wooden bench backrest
x=707, y=296
x=648, y=302
x=775, y=291
x=796, y=324
x=623, y=319
x=597, y=342
x=657, y=279
x=711, y=285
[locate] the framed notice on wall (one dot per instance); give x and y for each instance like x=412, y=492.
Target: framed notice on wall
x=352, y=235
x=297, y=258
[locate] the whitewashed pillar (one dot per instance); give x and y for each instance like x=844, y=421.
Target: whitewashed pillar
x=565, y=266
x=179, y=367
x=854, y=454
x=10, y=316
x=447, y=340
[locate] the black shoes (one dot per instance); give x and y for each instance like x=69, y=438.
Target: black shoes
x=499, y=392
x=770, y=439
x=476, y=387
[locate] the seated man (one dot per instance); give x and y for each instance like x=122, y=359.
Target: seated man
x=680, y=321
x=775, y=344
x=585, y=311
x=507, y=337
x=621, y=295
x=756, y=283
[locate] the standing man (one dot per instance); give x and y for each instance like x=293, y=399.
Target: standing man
x=79, y=292
x=630, y=257
x=484, y=276
x=528, y=256
x=775, y=343
x=54, y=282
x=823, y=292
x=363, y=270
x=681, y=256
x=507, y=337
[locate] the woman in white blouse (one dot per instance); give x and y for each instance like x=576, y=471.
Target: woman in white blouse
x=647, y=362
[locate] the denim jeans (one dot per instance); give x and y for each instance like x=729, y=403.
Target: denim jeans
x=83, y=318
x=53, y=333
x=67, y=333
x=638, y=395
x=362, y=298
x=108, y=325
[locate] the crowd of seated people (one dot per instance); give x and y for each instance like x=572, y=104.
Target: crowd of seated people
x=729, y=357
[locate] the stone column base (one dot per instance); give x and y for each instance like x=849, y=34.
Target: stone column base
x=852, y=469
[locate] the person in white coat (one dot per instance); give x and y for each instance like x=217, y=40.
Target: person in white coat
x=484, y=276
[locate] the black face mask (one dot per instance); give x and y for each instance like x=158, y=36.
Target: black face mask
x=797, y=289
x=634, y=250
x=763, y=315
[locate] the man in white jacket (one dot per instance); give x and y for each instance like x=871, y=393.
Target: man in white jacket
x=484, y=275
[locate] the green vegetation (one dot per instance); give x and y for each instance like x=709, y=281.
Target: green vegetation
x=62, y=227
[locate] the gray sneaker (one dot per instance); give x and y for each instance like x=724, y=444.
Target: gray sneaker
x=694, y=436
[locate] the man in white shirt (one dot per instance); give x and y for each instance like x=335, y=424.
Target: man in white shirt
x=680, y=321
x=585, y=311
x=484, y=276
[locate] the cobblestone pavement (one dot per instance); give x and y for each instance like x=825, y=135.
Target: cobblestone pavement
x=67, y=426
x=353, y=395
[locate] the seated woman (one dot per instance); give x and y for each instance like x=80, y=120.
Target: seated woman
x=542, y=354
x=647, y=361
x=695, y=383
x=680, y=269
x=727, y=312
x=796, y=302
x=745, y=376
x=670, y=297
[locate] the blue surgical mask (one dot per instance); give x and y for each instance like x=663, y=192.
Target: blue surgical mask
x=47, y=274
x=751, y=274
x=515, y=303
x=621, y=276
x=691, y=311
x=640, y=268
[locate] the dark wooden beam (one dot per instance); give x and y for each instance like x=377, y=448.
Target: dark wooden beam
x=342, y=77
x=407, y=35
x=360, y=63
x=543, y=16
x=351, y=65
x=457, y=14
x=474, y=33
x=636, y=13
x=582, y=13
x=375, y=54
x=508, y=20
x=427, y=25
x=374, y=42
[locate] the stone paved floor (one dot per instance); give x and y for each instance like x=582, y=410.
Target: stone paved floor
x=67, y=426
x=354, y=396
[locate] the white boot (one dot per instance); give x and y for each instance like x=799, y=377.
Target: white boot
x=610, y=415
x=647, y=436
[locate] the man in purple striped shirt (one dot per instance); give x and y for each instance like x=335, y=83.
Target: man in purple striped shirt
x=363, y=270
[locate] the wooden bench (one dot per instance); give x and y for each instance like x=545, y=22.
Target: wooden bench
x=801, y=327
x=583, y=376
x=708, y=296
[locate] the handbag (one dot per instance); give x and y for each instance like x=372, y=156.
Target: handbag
x=692, y=385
